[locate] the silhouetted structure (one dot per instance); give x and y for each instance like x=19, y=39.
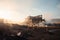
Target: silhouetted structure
x=34, y=20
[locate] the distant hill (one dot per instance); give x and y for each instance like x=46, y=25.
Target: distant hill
x=55, y=21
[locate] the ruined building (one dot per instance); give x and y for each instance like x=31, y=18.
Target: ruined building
x=35, y=21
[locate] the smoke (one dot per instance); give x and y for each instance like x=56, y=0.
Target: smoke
x=47, y=15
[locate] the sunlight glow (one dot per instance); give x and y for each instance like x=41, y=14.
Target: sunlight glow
x=14, y=10
x=6, y=14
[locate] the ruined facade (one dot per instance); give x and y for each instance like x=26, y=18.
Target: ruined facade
x=34, y=20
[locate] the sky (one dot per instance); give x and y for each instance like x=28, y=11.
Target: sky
x=17, y=10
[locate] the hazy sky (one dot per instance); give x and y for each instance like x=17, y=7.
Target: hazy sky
x=19, y=9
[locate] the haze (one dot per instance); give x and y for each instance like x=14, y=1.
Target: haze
x=17, y=10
